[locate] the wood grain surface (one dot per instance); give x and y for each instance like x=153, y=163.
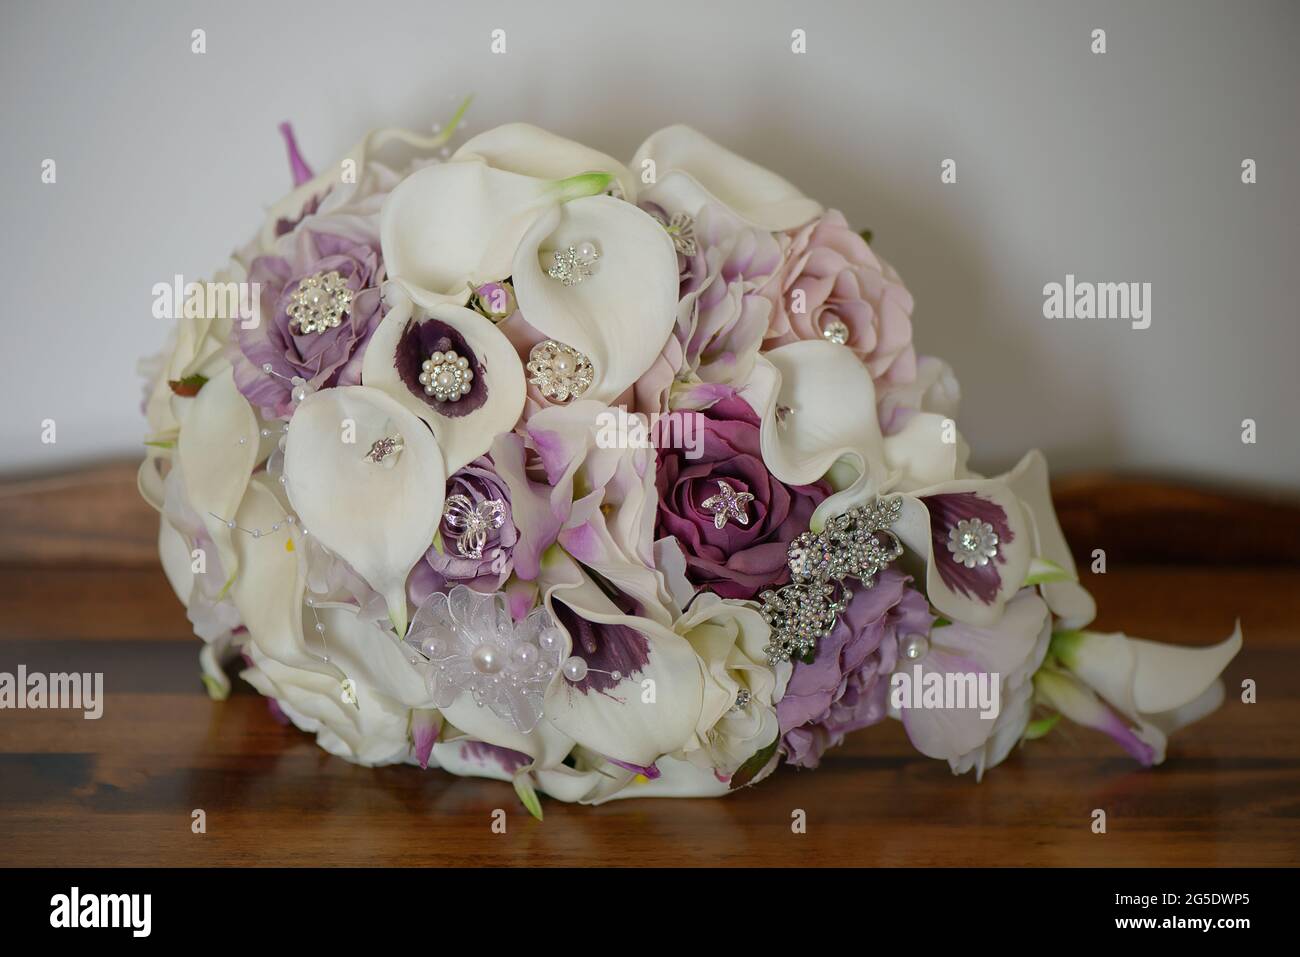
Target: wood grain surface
x=80, y=589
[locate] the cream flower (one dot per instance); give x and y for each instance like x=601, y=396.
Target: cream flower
x=691, y=171
x=367, y=478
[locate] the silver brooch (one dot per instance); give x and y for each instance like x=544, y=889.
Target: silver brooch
x=972, y=542
x=473, y=522
x=857, y=544
x=381, y=450
x=446, y=376
x=560, y=372
x=572, y=264
x=727, y=504
x=319, y=303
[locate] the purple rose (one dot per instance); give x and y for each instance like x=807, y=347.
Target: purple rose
x=328, y=358
x=446, y=564
x=740, y=559
x=847, y=685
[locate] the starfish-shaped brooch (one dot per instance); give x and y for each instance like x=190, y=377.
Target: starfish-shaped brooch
x=728, y=503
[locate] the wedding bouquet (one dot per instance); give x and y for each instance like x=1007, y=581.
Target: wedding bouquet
x=608, y=480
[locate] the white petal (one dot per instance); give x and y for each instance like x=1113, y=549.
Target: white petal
x=463, y=438
x=533, y=151
x=831, y=405
x=919, y=454
x=620, y=723
x=1146, y=677
x=1015, y=552
x=379, y=518
x=692, y=170
x=452, y=224
x=620, y=316
x=216, y=451
x=1068, y=600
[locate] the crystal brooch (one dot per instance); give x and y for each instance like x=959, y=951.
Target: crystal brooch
x=319, y=303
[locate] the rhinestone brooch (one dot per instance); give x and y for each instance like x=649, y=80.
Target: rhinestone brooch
x=319, y=303
x=381, y=450
x=473, y=522
x=561, y=372
x=972, y=542
x=446, y=376
x=727, y=504
x=572, y=264
x=857, y=544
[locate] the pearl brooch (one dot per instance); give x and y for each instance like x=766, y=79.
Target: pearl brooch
x=446, y=376
x=972, y=542
x=319, y=303
x=468, y=643
x=560, y=372
x=573, y=264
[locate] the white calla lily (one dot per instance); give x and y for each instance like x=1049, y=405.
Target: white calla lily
x=451, y=226
x=1144, y=679
x=652, y=708
x=378, y=516
x=975, y=595
x=464, y=437
x=1068, y=600
x=691, y=170
x=622, y=314
x=532, y=151
x=215, y=451
x=817, y=404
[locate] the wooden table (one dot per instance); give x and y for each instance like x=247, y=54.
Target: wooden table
x=80, y=589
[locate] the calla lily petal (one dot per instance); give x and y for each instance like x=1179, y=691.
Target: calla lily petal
x=532, y=151
x=692, y=170
x=453, y=224
x=462, y=435
x=1006, y=652
x=817, y=405
x=1068, y=600
x=379, y=517
x=622, y=721
x=216, y=451
x=975, y=595
x=1144, y=677
x=620, y=316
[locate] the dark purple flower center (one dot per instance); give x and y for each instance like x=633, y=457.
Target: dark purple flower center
x=946, y=510
x=419, y=341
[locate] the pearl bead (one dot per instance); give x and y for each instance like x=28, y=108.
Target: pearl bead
x=575, y=669
x=562, y=364
x=586, y=250
x=523, y=657
x=548, y=640
x=915, y=647
x=486, y=659
x=431, y=647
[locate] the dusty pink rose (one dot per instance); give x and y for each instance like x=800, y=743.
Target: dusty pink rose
x=832, y=283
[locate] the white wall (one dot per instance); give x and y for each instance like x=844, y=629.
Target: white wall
x=1123, y=166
